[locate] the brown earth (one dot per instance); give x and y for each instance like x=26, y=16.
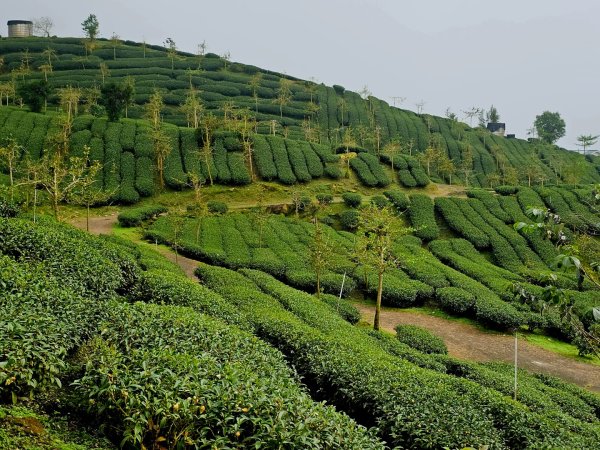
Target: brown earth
x=464, y=341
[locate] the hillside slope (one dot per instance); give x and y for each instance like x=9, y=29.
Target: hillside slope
x=298, y=109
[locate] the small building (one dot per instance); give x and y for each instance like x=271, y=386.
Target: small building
x=20, y=28
x=510, y=136
x=497, y=128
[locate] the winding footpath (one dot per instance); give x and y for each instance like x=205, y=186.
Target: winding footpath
x=464, y=341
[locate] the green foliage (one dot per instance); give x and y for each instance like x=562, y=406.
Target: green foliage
x=550, y=126
x=349, y=219
x=420, y=339
x=216, y=207
x=134, y=217
x=406, y=178
x=422, y=217
x=34, y=94
x=343, y=307
x=211, y=384
x=352, y=199
x=398, y=198
x=455, y=300
x=380, y=201
x=115, y=98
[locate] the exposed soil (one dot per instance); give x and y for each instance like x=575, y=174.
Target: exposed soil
x=98, y=225
x=465, y=341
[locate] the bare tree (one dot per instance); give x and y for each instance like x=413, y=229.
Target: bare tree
x=284, y=94
x=43, y=26
x=192, y=107
x=115, y=40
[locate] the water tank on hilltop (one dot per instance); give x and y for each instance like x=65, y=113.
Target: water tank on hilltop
x=20, y=28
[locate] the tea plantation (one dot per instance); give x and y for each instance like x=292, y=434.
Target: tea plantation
x=112, y=342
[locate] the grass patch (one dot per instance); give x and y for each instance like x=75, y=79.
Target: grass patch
x=559, y=347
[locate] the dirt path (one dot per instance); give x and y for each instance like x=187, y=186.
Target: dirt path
x=98, y=225
x=467, y=342
x=464, y=341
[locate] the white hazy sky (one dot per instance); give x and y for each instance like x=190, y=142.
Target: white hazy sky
x=523, y=56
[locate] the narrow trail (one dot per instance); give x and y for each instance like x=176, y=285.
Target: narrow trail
x=464, y=341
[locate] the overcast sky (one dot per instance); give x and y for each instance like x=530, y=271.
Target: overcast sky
x=523, y=56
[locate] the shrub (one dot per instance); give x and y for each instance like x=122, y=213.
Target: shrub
x=135, y=216
x=420, y=339
x=282, y=162
x=344, y=308
x=263, y=158
x=352, y=199
x=237, y=168
x=363, y=172
x=379, y=201
x=455, y=300
x=349, y=219
x=398, y=198
x=422, y=217
x=507, y=190
x=376, y=168
x=332, y=171
x=216, y=207
x=324, y=199
x=313, y=162
x=297, y=161
x=406, y=178
x=420, y=176
x=144, y=176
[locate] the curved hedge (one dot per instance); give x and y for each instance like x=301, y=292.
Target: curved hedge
x=135, y=216
x=422, y=217
x=420, y=339
x=406, y=179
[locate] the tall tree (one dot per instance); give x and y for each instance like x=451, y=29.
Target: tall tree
x=171, y=51
x=34, y=94
x=586, y=140
x=10, y=153
x=161, y=143
x=492, y=115
x=550, y=126
x=245, y=124
x=60, y=176
x=254, y=86
x=430, y=157
x=466, y=164
x=446, y=168
x=284, y=94
x=192, y=107
x=208, y=125
x=90, y=27
x=114, y=98
x=377, y=230
x=115, y=41
x=104, y=71
x=88, y=191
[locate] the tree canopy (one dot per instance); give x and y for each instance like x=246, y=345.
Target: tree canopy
x=550, y=126
x=115, y=98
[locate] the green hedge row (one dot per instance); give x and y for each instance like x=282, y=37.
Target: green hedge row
x=135, y=216
x=422, y=217
x=420, y=339
x=330, y=356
